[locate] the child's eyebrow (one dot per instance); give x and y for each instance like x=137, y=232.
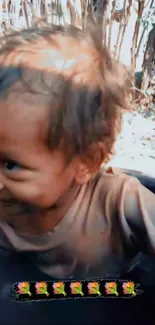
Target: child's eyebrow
x=6, y=156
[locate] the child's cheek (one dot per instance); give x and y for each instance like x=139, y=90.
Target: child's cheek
x=28, y=191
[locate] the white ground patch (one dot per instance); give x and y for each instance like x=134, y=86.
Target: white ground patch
x=135, y=147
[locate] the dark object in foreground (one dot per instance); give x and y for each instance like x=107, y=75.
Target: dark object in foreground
x=147, y=181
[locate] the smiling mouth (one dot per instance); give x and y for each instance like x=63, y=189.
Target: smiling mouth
x=13, y=207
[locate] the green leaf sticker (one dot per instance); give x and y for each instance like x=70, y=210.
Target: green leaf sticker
x=24, y=288
x=76, y=288
x=129, y=288
x=94, y=288
x=41, y=288
x=59, y=288
x=111, y=288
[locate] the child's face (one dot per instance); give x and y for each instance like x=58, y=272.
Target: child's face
x=29, y=171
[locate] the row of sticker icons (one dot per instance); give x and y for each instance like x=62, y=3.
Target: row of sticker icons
x=76, y=288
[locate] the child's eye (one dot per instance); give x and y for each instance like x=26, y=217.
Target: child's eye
x=12, y=166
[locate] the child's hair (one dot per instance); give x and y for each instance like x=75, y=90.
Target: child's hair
x=86, y=87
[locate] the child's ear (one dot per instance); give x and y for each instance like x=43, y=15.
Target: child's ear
x=91, y=163
x=83, y=175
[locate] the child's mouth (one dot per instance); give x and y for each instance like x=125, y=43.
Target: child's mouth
x=12, y=205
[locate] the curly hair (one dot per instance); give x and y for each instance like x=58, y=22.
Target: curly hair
x=87, y=88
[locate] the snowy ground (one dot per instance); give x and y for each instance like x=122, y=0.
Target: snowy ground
x=135, y=147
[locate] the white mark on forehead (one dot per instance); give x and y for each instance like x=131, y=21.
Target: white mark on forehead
x=55, y=60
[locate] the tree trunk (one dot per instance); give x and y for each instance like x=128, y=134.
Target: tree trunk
x=141, y=5
x=104, y=21
x=100, y=7
x=66, y=12
x=111, y=23
x=143, y=33
x=126, y=12
x=24, y=8
x=85, y=13
x=75, y=11
x=149, y=62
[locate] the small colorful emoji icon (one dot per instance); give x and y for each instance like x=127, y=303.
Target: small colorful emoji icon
x=111, y=288
x=94, y=288
x=24, y=288
x=129, y=288
x=41, y=288
x=76, y=288
x=59, y=288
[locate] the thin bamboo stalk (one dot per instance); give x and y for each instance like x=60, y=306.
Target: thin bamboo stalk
x=111, y=23
x=65, y=12
x=144, y=30
x=141, y=5
x=120, y=29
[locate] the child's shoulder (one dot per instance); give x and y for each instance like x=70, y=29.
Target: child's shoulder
x=113, y=189
x=110, y=190
x=114, y=179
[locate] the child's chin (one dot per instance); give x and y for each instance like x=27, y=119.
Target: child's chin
x=16, y=209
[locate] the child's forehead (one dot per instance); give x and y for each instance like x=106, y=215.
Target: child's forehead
x=22, y=116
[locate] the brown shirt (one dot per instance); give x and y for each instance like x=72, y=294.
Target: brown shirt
x=111, y=220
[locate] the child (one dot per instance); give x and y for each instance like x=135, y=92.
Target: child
x=61, y=103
